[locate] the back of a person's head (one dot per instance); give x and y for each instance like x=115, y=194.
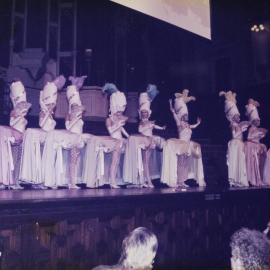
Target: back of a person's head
x=139, y=249
x=250, y=250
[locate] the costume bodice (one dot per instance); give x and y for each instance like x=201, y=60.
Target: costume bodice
x=237, y=132
x=146, y=128
x=74, y=123
x=117, y=133
x=255, y=134
x=184, y=131
x=49, y=122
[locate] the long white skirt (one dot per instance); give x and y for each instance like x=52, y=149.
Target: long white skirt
x=171, y=150
x=256, y=153
x=266, y=171
x=98, y=160
x=57, y=157
x=133, y=171
x=10, y=153
x=236, y=161
x=31, y=163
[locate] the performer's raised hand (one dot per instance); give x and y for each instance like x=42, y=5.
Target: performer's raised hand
x=171, y=106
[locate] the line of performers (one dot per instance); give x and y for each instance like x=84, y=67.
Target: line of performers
x=248, y=162
x=46, y=157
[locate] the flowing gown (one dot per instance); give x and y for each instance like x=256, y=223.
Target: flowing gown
x=236, y=158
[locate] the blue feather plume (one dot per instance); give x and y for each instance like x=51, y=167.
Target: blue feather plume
x=152, y=91
x=109, y=88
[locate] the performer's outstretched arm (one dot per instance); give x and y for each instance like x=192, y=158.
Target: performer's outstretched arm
x=159, y=127
x=124, y=132
x=197, y=124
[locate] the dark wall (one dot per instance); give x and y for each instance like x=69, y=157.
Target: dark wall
x=133, y=49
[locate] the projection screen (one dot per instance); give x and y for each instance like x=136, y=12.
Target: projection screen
x=191, y=15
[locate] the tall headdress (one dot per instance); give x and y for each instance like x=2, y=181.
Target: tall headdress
x=17, y=93
x=230, y=104
x=49, y=93
x=146, y=98
x=180, y=102
x=251, y=110
x=118, y=100
x=73, y=94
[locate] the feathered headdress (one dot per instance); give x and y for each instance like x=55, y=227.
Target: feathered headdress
x=180, y=102
x=251, y=110
x=17, y=93
x=59, y=82
x=109, y=88
x=49, y=93
x=230, y=104
x=184, y=96
x=146, y=98
x=152, y=91
x=77, y=81
x=118, y=100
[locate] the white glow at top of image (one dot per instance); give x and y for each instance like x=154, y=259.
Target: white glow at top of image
x=191, y=15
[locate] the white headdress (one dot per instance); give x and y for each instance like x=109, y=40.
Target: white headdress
x=73, y=96
x=180, y=102
x=49, y=94
x=118, y=102
x=17, y=93
x=147, y=97
x=230, y=104
x=144, y=103
x=251, y=110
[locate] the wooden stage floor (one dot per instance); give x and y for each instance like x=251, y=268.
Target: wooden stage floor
x=60, y=196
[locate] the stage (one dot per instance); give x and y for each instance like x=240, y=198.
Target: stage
x=60, y=229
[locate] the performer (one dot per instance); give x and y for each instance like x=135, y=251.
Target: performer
x=34, y=138
x=61, y=154
x=266, y=171
x=182, y=158
x=11, y=137
x=103, y=153
x=139, y=149
x=47, y=102
x=74, y=122
x=255, y=151
x=20, y=106
x=116, y=121
x=236, y=159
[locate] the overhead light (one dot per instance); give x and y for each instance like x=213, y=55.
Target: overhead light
x=257, y=28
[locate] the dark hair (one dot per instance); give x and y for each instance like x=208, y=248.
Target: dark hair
x=251, y=248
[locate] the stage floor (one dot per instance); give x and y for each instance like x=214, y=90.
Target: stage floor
x=11, y=197
x=32, y=201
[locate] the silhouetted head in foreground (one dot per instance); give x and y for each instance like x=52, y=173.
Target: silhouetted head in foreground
x=250, y=250
x=138, y=251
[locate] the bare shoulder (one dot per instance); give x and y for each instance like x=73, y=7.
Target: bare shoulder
x=108, y=121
